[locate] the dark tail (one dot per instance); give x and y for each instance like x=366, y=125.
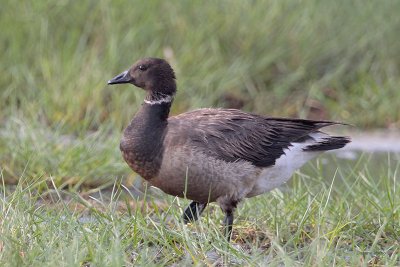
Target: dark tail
x=329, y=143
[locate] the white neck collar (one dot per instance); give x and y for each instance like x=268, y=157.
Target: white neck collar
x=157, y=101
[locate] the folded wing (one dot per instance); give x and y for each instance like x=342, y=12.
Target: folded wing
x=233, y=135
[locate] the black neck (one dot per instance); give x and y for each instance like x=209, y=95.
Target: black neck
x=154, y=113
x=151, y=118
x=145, y=134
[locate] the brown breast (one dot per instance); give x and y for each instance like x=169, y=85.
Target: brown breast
x=145, y=168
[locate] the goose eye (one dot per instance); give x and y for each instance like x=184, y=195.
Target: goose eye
x=142, y=67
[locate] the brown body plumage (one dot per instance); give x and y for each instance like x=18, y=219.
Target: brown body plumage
x=209, y=155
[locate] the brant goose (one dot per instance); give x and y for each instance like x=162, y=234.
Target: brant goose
x=212, y=155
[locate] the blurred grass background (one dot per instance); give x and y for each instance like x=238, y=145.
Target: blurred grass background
x=334, y=60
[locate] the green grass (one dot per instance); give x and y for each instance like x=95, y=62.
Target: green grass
x=60, y=126
x=324, y=218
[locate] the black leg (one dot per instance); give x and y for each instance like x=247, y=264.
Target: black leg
x=228, y=206
x=228, y=224
x=193, y=211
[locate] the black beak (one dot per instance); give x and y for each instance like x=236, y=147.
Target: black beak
x=121, y=78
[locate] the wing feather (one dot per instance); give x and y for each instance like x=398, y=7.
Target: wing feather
x=232, y=135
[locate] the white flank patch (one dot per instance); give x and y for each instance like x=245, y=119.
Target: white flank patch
x=293, y=159
x=166, y=99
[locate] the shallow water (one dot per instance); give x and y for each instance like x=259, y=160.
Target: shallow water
x=380, y=148
x=376, y=141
